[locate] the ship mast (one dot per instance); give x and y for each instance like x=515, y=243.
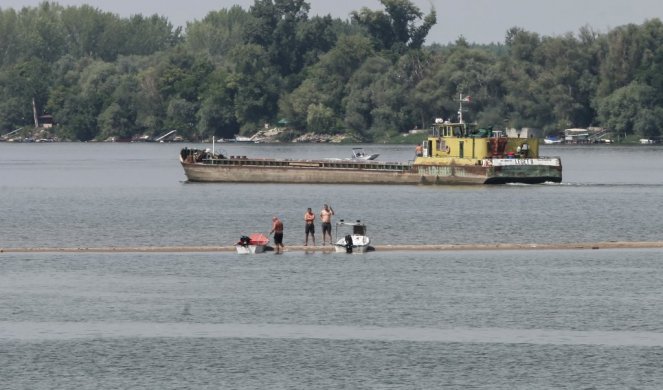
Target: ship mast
x=462, y=99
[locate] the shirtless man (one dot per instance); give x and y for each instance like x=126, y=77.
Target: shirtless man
x=325, y=218
x=309, y=227
x=277, y=229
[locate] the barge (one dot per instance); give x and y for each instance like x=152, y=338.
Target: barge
x=453, y=153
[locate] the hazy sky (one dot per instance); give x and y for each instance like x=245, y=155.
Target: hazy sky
x=481, y=21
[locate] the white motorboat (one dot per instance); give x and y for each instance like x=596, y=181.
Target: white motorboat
x=360, y=154
x=551, y=140
x=355, y=242
x=255, y=243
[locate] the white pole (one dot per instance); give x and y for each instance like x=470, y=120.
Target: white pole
x=213, y=146
x=34, y=113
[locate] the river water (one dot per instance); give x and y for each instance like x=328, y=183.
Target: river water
x=387, y=320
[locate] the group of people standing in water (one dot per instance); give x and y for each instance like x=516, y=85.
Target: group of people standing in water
x=309, y=227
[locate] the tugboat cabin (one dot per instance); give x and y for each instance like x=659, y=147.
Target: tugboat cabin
x=461, y=142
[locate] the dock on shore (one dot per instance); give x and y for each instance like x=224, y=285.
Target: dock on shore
x=329, y=248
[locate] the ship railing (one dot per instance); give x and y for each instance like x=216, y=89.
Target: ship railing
x=312, y=164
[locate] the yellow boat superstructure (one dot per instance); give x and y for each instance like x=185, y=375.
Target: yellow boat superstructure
x=455, y=150
x=454, y=142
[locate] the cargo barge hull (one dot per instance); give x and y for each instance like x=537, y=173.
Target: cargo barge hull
x=328, y=172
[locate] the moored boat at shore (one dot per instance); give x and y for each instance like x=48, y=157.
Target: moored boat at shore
x=255, y=243
x=552, y=140
x=355, y=241
x=453, y=153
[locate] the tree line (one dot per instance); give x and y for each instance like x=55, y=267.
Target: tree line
x=371, y=76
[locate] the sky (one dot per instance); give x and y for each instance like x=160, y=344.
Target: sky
x=478, y=21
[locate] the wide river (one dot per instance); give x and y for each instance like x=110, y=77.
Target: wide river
x=516, y=319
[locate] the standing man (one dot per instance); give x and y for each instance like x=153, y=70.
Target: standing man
x=309, y=227
x=277, y=229
x=325, y=217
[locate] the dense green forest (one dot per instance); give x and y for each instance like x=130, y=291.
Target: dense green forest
x=372, y=76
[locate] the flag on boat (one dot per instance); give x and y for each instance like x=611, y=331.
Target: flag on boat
x=467, y=99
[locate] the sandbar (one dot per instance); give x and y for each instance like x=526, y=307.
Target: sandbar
x=328, y=248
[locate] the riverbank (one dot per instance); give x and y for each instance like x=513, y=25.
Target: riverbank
x=323, y=249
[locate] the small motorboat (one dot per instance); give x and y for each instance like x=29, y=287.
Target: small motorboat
x=255, y=243
x=550, y=140
x=360, y=154
x=357, y=242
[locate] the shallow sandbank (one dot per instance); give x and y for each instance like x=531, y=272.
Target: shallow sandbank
x=327, y=248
